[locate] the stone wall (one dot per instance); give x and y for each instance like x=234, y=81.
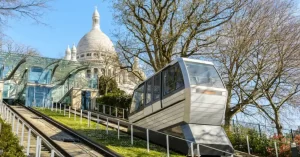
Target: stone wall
x=76, y=98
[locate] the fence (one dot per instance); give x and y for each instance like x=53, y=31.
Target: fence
x=238, y=128
x=167, y=141
x=9, y=116
x=261, y=128
x=245, y=142
x=113, y=111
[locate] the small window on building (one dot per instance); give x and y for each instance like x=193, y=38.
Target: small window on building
x=103, y=71
x=88, y=73
x=82, y=55
x=95, y=72
x=89, y=54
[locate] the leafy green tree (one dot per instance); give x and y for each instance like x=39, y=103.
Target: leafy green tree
x=107, y=85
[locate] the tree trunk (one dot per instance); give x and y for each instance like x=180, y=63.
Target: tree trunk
x=278, y=125
x=279, y=129
x=228, y=117
x=228, y=113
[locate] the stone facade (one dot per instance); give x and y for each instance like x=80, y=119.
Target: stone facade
x=96, y=47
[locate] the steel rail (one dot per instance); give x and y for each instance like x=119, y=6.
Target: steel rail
x=114, y=120
x=97, y=147
x=49, y=142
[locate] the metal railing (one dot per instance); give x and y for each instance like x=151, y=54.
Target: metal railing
x=9, y=116
x=194, y=147
x=117, y=112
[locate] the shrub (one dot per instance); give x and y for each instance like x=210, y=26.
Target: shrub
x=107, y=85
x=284, y=149
x=297, y=140
x=258, y=144
x=117, y=100
x=9, y=143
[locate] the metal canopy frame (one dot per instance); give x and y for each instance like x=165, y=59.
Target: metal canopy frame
x=16, y=65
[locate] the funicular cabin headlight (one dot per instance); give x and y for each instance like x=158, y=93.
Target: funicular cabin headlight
x=209, y=92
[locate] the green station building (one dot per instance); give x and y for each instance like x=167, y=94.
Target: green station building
x=39, y=81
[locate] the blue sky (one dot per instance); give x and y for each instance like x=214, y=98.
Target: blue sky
x=67, y=22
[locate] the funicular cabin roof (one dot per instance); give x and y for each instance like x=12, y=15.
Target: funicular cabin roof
x=172, y=63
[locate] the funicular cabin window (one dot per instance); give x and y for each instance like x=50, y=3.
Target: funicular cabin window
x=156, y=87
x=203, y=75
x=149, y=91
x=173, y=79
x=138, y=99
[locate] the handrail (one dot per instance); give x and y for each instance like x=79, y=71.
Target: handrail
x=45, y=139
x=100, y=148
x=113, y=106
x=176, y=137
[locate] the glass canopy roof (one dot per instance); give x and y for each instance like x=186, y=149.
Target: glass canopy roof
x=14, y=65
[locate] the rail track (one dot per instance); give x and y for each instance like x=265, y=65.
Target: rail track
x=65, y=141
x=113, y=123
x=124, y=125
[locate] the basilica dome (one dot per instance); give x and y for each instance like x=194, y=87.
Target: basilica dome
x=95, y=43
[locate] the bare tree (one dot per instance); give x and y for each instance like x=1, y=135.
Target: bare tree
x=157, y=31
x=111, y=69
x=22, y=8
x=280, y=82
x=131, y=65
x=9, y=46
x=255, y=53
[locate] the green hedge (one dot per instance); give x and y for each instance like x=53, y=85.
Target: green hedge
x=117, y=100
x=9, y=143
x=258, y=145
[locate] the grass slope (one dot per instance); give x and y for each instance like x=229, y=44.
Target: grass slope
x=122, y=146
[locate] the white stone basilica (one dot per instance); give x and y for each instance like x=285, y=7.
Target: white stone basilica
x=96, y=47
